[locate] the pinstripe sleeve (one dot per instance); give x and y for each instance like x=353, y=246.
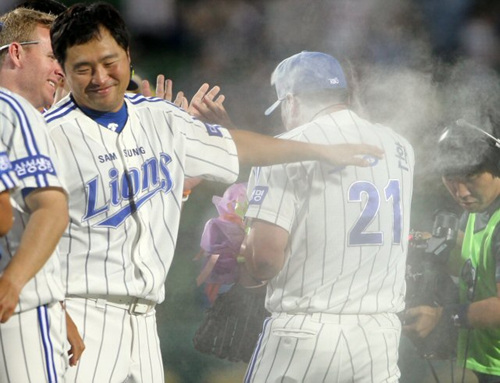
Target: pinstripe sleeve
x=31, y=152
x=271, y=196
x=8, y=178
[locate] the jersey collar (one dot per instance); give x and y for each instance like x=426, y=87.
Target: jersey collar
x=114, y=121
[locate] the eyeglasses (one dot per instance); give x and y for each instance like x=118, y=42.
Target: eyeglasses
x=23, y=43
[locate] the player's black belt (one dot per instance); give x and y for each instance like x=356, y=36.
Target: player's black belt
x=135, y=306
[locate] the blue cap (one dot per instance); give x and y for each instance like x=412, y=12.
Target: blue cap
x=306, y=72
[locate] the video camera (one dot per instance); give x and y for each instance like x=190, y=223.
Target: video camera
x=429, y=284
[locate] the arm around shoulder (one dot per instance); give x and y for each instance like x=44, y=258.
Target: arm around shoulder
x=261, y=150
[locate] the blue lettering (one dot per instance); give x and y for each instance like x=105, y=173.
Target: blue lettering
x=165, y=159
x=135, y=187
x=107, y=157
x=91, y=210
x=114, y=187
x=130, y=184
x=150, y=173
x=134, y=152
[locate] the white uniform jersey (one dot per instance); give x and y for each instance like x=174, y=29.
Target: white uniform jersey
x=348, y=226
x=31, y=153
x=126, y=192
x=8, y=178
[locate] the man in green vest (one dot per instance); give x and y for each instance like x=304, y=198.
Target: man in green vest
x=469, y=162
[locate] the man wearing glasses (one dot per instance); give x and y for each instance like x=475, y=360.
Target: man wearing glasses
x=469, y=160
x=33, y=343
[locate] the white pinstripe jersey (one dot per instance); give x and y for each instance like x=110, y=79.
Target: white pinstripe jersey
x=126, y=192
x=348, y=226
x=24, y=133
x=8, y=178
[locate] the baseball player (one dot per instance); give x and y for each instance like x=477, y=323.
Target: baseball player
x=331, y=242
x=8, y=181
x=33, y=344
x=125, y=159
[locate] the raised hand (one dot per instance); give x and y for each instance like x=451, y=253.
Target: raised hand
x=210, y=109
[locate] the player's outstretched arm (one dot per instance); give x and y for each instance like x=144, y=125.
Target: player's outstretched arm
x=47, y=222
x=259, y=150
x=5, y=213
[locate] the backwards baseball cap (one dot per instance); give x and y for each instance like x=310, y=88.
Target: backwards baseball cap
x=306, y=72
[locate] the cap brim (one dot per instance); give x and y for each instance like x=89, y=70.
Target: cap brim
x=272, y=108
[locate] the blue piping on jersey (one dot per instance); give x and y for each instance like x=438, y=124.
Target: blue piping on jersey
x=26, y=128
x=139, y=99
x=43, y=321
x=27, y=132
x=60, y=111
x=251, y=366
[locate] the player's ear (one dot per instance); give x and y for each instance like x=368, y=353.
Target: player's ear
x=14, y=52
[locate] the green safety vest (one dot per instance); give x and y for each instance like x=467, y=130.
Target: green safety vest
x=480, y=346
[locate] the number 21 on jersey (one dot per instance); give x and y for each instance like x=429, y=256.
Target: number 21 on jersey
x=358, y=234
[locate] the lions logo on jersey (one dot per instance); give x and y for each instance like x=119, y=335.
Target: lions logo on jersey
x=128, y=191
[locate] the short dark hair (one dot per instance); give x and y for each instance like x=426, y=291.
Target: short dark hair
x=46, y=6
x=81, y=23
x=464, y=151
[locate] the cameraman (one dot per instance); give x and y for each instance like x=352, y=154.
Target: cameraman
x=469, y=162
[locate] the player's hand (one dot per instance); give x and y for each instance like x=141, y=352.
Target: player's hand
x=422, y=320
x=75, y=341
x=207, y=105
x=164, y=90
x=9, y=297
x=351, y=154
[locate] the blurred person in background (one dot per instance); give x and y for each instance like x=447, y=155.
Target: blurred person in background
x=469, y=162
